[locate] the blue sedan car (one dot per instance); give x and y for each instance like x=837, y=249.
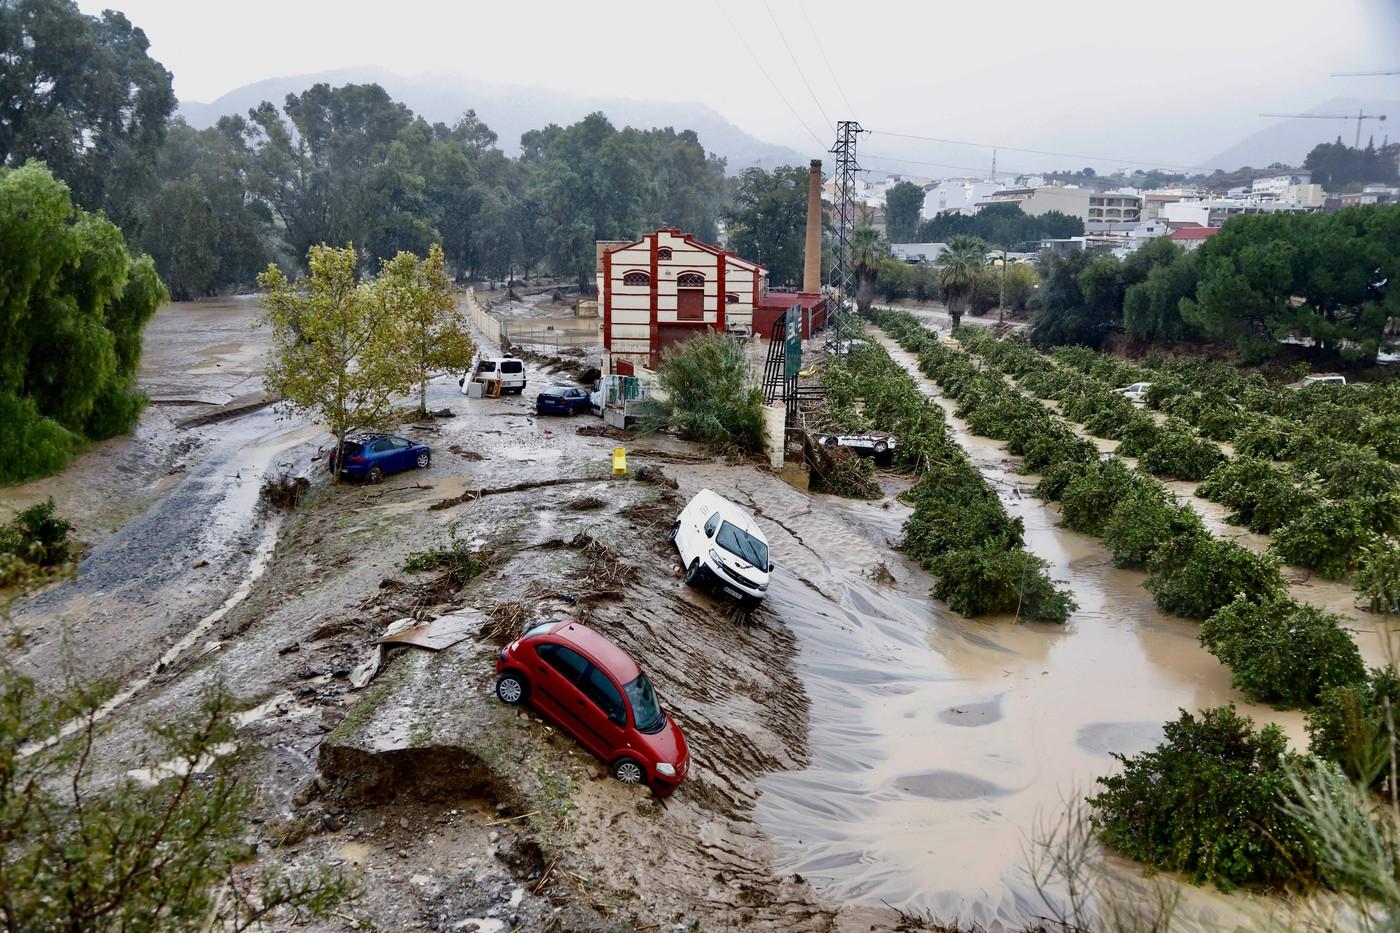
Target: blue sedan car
x=563, y=400
x=374, y=456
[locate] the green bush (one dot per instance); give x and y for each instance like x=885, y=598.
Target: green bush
x=1180, y=455
x=1145, y=519
x=1089, y=499
x=1193, y=575
x=1382, y=434
x=38, y=536
x=1378, y=577
x=1206, y=803
x=1219, y=422
x=1348, y=726
x=849, y=475
x=1282, y=652
x=711, y=395
x=1139, y=434
x=1264, y=438
x=34, y=445
x=1327, y=538
x=988, y=579
x=1261, y=496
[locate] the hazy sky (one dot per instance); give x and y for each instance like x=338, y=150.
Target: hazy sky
x=1123, y=79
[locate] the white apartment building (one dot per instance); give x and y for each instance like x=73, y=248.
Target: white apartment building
x=958, y=194
x=1036, y=201
x=1115, y=207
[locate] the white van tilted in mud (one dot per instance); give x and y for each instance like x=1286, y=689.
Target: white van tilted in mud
x=509, y=371
x=721, y=546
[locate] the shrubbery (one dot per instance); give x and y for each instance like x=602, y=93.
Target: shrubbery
x=1282, y=652
x=711, y=395
x=1144, y=520
x=1261, y=496
x=1180, y=455
x=1194, y=575
x=1206, y=803
x=1348, y=726
x=1378, y=577
x=1088, y=500
x=1327, y=538
x=34, y=545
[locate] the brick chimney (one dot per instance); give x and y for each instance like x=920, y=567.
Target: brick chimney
x=812, y=252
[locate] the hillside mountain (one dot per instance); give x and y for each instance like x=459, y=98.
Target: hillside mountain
x=511, y=110
x=1289, y=141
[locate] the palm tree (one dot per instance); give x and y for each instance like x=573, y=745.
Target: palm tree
x=957, y=271
x=868, y=249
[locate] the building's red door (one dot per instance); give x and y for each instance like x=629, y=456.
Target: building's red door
x=690, y=304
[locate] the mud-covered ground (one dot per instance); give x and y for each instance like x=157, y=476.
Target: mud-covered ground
x=855, y=744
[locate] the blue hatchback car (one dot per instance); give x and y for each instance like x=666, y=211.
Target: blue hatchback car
x=375, y=456
x=563, y=400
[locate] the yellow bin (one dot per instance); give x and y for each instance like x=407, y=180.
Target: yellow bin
x=619, y=461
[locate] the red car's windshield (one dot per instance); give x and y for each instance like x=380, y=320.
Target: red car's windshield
x=645, y=709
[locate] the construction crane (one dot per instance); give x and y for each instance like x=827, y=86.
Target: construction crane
x=1333, y=116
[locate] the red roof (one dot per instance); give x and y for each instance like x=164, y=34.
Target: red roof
x=1194, y=233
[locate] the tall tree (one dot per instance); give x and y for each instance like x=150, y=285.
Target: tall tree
x=82, y=94
x=334, y=355
x=766, y=220
x=418, y=295
x=868, y=250
x=73, y=305
x=957, y=273
x=903, y=202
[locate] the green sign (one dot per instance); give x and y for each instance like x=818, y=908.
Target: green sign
x=792, y=343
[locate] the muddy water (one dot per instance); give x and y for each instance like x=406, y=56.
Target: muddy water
x=937, y=742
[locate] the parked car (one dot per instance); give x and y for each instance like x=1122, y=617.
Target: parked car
x=375, y=456
x=563, y=400
x=1323, y=379
x=1135, y=392
x=877, y=444
x=592, y=690
x=508, y=370
x=721, y=546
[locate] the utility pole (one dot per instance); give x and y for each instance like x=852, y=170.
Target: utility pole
x=1001, y=302
x=847, y=131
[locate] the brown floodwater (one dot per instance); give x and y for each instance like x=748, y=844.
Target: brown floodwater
x=939, y=742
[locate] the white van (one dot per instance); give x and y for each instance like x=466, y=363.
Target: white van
x=721, y=545
x=508, y=370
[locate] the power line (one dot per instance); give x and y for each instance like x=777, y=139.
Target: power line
x=1047, y=152
x=966, y=168
x=796, y=64
x=764, y=71
x=816, y=39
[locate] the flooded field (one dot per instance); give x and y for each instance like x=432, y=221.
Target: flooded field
x=938, y=742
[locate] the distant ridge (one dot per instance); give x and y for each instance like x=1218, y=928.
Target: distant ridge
x=512, y=110
x=1289, y=141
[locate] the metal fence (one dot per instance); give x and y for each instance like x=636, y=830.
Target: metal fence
x=516, y=333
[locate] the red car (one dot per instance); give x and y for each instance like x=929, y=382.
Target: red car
x=597, y=694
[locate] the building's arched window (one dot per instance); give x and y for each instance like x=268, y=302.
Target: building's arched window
x=664, y=254
x=731, y=299
x=690, y=280
x=636, y=278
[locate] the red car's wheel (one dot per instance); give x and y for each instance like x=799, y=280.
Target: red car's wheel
x=512, y=688
x=629, y=771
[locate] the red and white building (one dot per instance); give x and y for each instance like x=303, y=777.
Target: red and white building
x=666, y=288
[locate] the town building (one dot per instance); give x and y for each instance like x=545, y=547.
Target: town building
x=1191, y=238
x=918, y=252
x=666, y=287
x=1114, y=207
x=1073, y=202
x=1371, y=194
x=958, y=195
